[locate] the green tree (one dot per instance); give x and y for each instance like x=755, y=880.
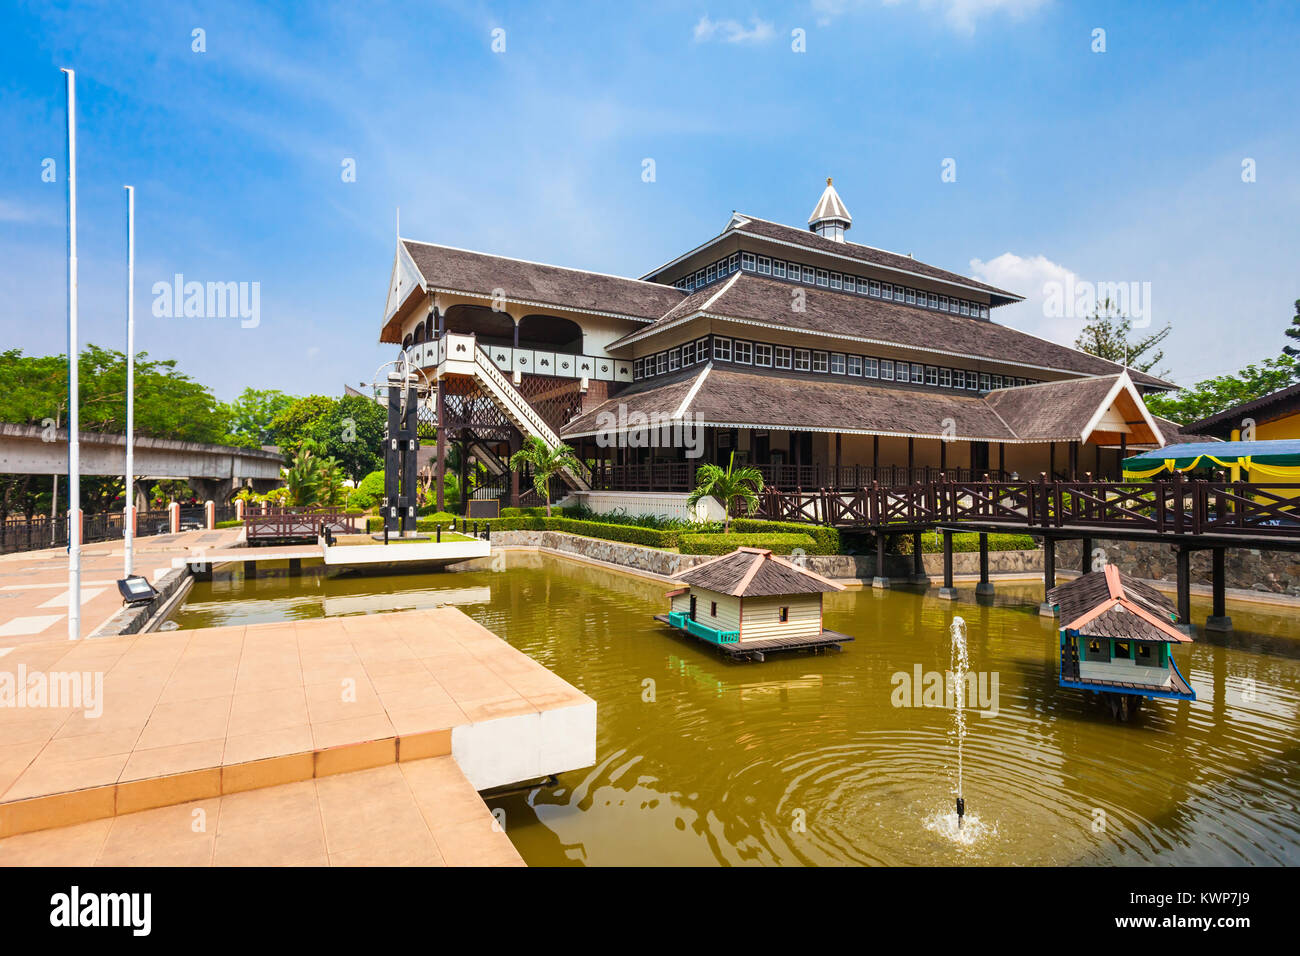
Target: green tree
x=1214, y=395
x=252, y=416
x=1293, y=333
x=351, y=429
x=1108, y=334
x=726, y=487
x=545, y=462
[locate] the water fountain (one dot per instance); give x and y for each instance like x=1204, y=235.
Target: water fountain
x=958, y=667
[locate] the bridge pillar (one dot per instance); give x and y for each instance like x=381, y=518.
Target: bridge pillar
x=985, y=586
x=1218, y=619
x=881, y=580
x=1183, y=562
x=918, y=561
x=1085, y=556
x=1049, y=576
x=947, y=592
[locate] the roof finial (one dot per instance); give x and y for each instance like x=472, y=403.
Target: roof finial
x=828, y=181
x=830, y=219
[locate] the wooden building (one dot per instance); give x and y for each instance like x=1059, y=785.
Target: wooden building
x=1117, y=634
x=821, y=361
x=750, y=603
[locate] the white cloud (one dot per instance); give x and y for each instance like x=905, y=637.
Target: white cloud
x=960, y=14
x=1031, y=277
x=733, y=31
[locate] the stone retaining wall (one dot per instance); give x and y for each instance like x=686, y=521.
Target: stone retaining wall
x=1274, y=572
x=132, y=620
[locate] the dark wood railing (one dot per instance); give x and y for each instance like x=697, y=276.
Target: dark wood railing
x=290, y=524
x=1164, y=507
x=680, y=476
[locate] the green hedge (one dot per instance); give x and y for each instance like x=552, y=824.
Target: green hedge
x=627, y=533
x=425, y=523
x=232, y=523
x=825, y=540
x=726, y=543
x=967, y=541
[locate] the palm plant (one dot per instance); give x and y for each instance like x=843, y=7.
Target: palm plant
x=303, y=479
x=545, y=462
x=735, y=484
x=332, y=490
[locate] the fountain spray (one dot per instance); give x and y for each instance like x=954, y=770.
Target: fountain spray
x=960, y=664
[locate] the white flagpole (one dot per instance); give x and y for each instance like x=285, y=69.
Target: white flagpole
x=74, y=395
x=128, y=530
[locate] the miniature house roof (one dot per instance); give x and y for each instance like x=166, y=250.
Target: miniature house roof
x=1112, y=604
x=754, y=572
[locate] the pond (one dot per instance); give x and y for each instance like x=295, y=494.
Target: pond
x=811, y=759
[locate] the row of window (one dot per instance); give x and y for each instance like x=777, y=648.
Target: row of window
x=766, y=355
x=840, y=281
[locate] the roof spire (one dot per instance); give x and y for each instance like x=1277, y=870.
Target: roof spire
x=831, y=217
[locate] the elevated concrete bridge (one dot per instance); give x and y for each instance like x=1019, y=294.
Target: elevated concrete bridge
x=215, y=472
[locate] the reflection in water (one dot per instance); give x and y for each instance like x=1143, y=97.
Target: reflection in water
x=806, y=760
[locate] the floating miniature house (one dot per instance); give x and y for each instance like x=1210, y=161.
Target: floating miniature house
x=750, y=603
x=1116, y=636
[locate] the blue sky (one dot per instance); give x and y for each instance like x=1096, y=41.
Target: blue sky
x=1117, y=166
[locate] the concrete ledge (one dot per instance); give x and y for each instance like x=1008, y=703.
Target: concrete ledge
x=134, y=620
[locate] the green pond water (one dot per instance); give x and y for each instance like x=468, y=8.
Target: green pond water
x=808, y=760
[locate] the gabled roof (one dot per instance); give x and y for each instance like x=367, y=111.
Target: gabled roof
x=1110, y=603
x=1076, y=409
x=761, y=301
x=479, y=274
x=1279, y=403
x=830, y=206
x=755, y=572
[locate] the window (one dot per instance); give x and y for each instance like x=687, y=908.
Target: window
x=1144, y=654
x=782, y=356
x=943, y=303
x=837, y=281
x=837, y=363
x=636, y=369
x=972, y=381
x=886, y=290
x=945, y=378
x=688, y=354
x=934, y=300
x=764, y=265
x=871, y=368
x=855, y=365
x=965, y=307
x=809, y=275
x=953, y=306
x=931, y=375
x=984, y=311
x=1122, y=651
x=911, y=297
x=747, y=261
x=918, y=374
x=1098, y=649
x=874, y=288
x=744, y=352
x=712, y=272
x=997, y=381
x=802, y=360
x=819, y=361
x=674, y=359
x=722, y=349
x=848, y=283
x=661, y=363
x=701, y=350
x=778, y=268
x=887, y=370
x=823, y=278
x=713, y=608
x=734, y=262
x=783, y=614
x=985, y=383
x=762, y=355
x=699, y=278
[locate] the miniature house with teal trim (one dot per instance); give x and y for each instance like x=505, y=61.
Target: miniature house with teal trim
x=1116, y=636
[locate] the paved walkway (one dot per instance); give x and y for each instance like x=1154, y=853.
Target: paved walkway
x=34, y=596
x=423, y=813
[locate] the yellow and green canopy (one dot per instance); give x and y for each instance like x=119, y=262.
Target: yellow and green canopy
x=1269, y=460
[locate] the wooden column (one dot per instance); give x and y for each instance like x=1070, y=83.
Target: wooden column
x=881, y=580
x=516, y=442
x=985, y=586
x=1183, y=562
x=463, y=477
x=1049, y=575
x=440, y=458
x=943, y=455
x=1085, y=558
x=1002, y=460
x=1218, y=619
x=947, y=591
x=910, y=442
x=1074, y=460
x=918, y=560
x=838, y=459
x=875, y=457
x=1051, y=461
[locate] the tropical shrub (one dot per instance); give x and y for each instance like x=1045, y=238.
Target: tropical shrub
x=726, y=543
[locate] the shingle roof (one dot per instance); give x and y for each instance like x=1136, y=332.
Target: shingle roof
x=1111, y=603
x=755, y=572
x=1052, y=411
x=480, y=274
x=775, y=231
x=756, y=298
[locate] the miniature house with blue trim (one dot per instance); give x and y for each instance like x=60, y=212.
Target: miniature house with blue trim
x=1116, y=637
